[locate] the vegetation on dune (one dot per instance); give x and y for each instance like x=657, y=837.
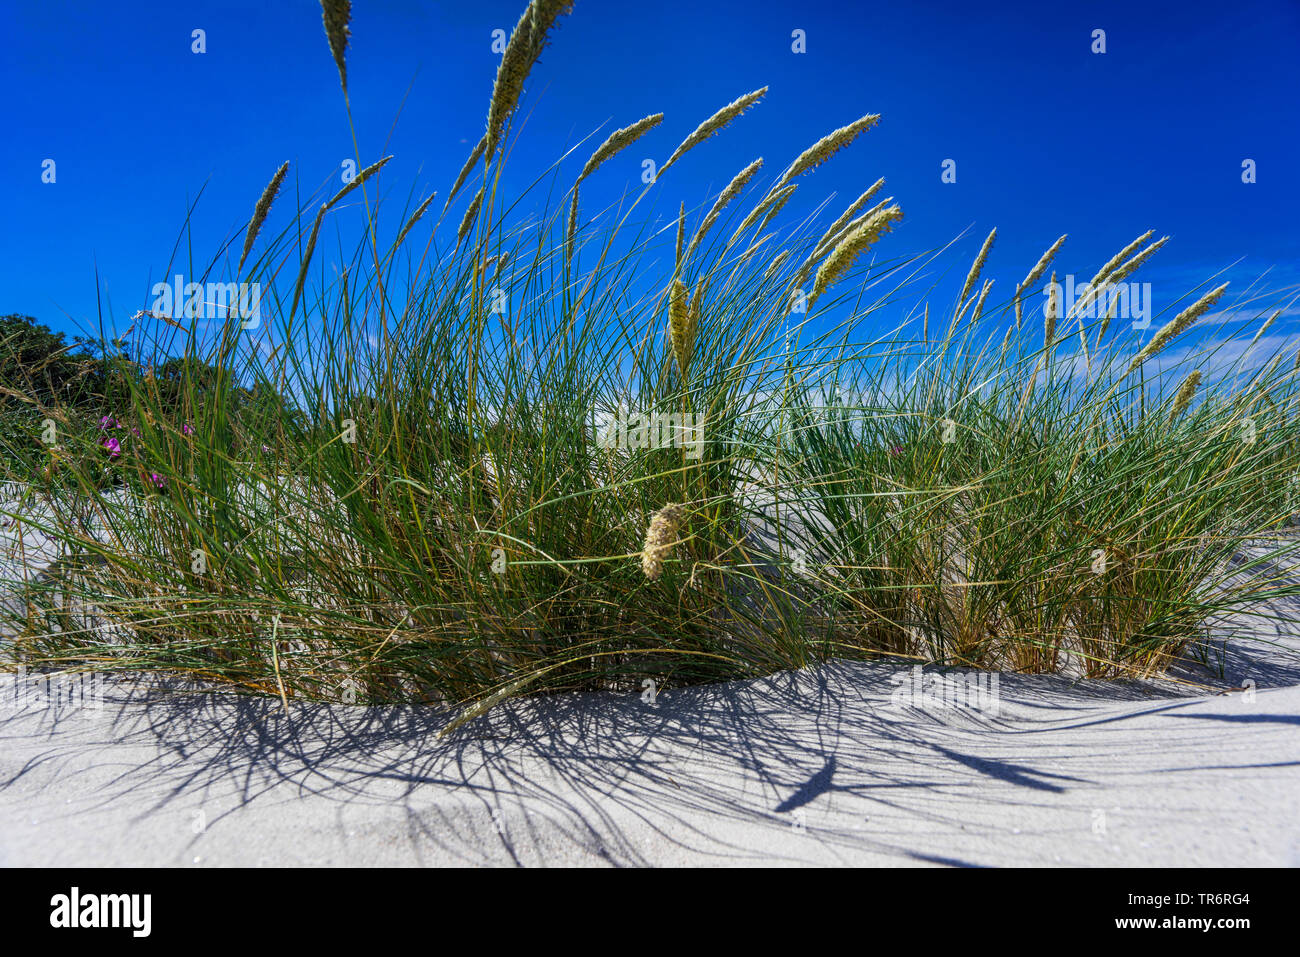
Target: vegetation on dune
x=408, y=491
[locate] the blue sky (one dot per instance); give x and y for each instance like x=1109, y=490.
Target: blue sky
x=1048, y=137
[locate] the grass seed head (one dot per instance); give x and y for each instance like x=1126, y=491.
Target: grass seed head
x=521, y=53
x=832, y=234
x=474, y=157
x=1119, y=257
x=260, y=212
x=724, y=198
x=848, y=250
x=306, y=259
x=660, y=539
x=617, y=141
x=826, y=147
x=1177, y=326
x=679, y=331
x=1050, y=312
x=415, y=218
x=471, y=214
x=713, y=124
x=973, y=276
x=337, y=14
x=979, y=303
x=1185, y=393
x=360, y=179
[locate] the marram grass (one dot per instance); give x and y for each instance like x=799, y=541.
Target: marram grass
x=427, y=495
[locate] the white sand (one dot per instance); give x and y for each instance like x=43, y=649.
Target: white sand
x=801, y=768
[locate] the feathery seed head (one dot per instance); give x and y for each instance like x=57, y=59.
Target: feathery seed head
x=973, y=276
x=361, y=177
x=725, y=197
x=979, y=303
x=679, y=331
x=832, y=234
x=619, y=140
x=774, y=199
x=573, y=222
x=826, y=147
x=778, y=202
x=1185, y=393
x=470, y=215
x=260, y=212
x=415, y=218
x=306, y=259
x=1177, y=326
x=1036, y=274
x=1044, y=261
x=336, y=15
x=521, y=53
x=775, y=264
x=1264, y=328
x=464, y=170
x=713, y=125
x=1119, y=257
x=1130, y=267
x=847, y=251
x=660, y=538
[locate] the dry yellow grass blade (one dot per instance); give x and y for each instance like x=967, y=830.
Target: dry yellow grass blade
x=492, y=700
x=713, y=125
x=260, y=212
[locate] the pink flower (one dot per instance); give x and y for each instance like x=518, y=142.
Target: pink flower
x=187, y=429
x=158, y=480
x=107, y=422
x=896, y=450
x=113, y=445
x=135, y=431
